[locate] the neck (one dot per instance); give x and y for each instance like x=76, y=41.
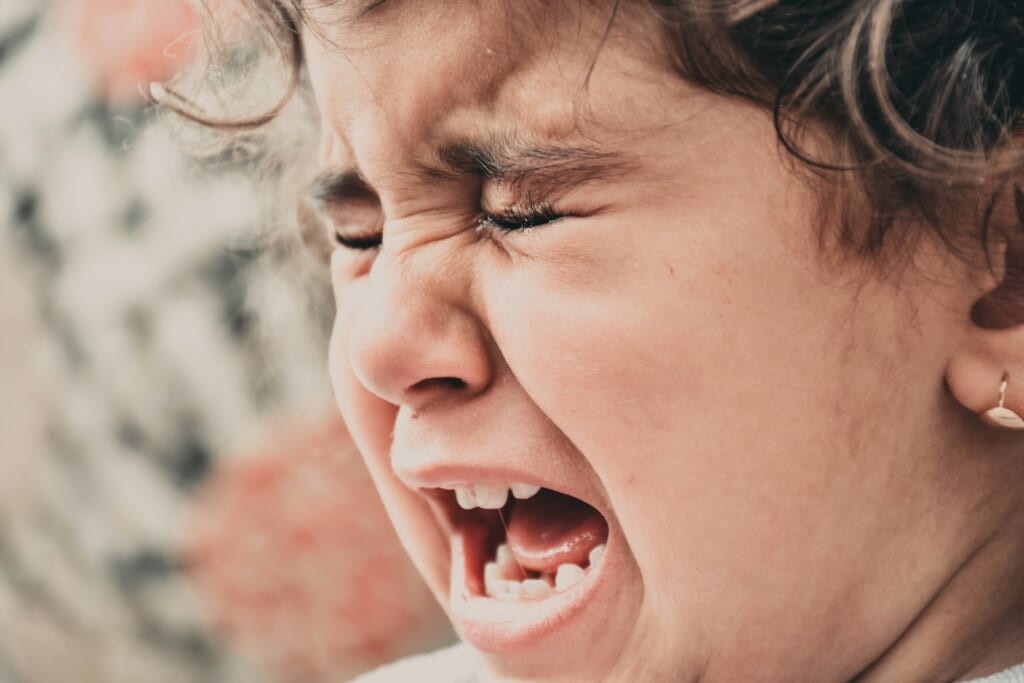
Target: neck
x=973, y=626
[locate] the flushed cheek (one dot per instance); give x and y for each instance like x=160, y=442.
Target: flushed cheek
x=609, y=367
x=731, y=492
x=653, y=382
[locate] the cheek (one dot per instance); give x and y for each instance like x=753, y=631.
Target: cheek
x=368, y=418
x=617, y=358
x=337, y=351
x=338, y=365
x=695, y=394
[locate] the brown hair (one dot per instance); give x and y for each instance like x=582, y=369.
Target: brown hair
x=921, y=101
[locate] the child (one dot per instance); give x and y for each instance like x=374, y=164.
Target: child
x=664, y=328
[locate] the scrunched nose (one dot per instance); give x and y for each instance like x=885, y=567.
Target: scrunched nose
x=414, y=341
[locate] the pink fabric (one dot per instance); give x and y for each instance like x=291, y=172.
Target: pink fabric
x=299, y=565
x=125, y=44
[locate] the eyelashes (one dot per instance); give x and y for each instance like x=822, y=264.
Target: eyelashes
x=358, y=242
x=521, y=218
x=513, y=219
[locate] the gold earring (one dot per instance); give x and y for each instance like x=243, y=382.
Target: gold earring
x=1001, y=417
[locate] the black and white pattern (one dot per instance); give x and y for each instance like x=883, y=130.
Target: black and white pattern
x=131, y=359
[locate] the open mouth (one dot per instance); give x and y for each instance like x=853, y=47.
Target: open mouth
x=522, y=542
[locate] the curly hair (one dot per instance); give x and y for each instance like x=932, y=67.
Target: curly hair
x=921, y=101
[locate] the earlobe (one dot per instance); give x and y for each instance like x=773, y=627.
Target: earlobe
x=986, y=375
x=1002, y=417
x=983, y=380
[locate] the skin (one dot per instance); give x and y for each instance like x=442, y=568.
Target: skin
x=784, y=439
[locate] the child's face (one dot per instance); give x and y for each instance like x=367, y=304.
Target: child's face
x=675, y=351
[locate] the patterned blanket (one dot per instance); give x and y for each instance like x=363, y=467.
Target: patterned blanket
x=153, y=343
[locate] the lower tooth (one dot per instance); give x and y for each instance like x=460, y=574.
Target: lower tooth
x=536, y=589
x=501, y=577
x=504, y=556
x=509, y=590
x=568, y=575
x=493, y=577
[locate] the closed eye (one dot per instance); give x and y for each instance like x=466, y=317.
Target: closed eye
x=353, y=234
x=350, y=208
x=521, y=219
x=356, y=223
x=358, y=242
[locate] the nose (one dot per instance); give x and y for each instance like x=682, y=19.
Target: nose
x=415, y=341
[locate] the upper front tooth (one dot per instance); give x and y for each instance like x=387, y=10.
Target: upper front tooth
x=524, y=491
x=491, y=496
x=466, y=497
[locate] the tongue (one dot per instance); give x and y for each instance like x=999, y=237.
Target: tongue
x=551, y=529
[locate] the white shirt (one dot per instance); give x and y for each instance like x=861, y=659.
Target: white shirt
x=455, y=665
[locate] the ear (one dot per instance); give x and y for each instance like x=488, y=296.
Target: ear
x=993, y=348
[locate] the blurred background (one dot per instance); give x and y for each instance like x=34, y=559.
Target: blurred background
x=178, y=500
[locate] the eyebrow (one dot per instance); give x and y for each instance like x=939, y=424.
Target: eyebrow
x=365, y=11
x=339, y=186
x=528, y=169
x=368, y=7
x=516, y=163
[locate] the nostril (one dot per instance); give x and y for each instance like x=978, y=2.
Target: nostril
x=435, y=390
x=439, y=383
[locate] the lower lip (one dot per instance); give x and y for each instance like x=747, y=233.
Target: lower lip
x=510, y=626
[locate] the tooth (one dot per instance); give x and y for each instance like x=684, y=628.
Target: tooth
x=504, y=556
x=509, y=590
x=596, y=554
x=491, y=496
x=536, y=589
x=524, y=491
x=493, y=576
x=466, y=497
x=567, y=576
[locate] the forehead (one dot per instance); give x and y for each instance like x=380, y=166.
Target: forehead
x=419, y=70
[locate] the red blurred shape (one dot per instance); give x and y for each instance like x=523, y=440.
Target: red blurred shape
x=298, y=564
x=125, y=44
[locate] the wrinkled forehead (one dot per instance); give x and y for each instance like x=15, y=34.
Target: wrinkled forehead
x=419, y=65
x=472, y=33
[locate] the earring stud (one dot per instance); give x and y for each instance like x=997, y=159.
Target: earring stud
x=1002, y=417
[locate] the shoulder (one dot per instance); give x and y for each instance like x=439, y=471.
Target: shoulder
x=450, y=665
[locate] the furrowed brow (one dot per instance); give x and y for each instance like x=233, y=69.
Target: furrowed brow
x=532, y=165
x=346, y=14
x=358, y=12
x=368, y=7
x=527, y=168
